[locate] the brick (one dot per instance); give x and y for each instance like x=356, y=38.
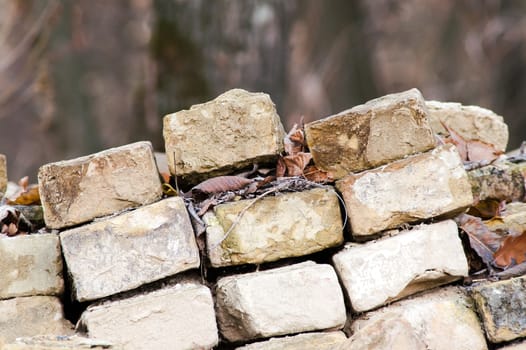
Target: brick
x=306, y=341
x=502, y=308
x=470, y=122
x=123, y=252
x=54, y=342
x=378, y=272
x=3, y=175
x=416, y=188
x=443, y=319
x=292, y=299
x=234, y=130
x=78, y=190
x=179, y=317
x=369, y=135
x=30, y=265
x=288, y=225
x=31, y=316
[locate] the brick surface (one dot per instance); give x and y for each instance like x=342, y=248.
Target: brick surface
x=286, y=300
x=131, y=249
x=30, y=265
x=288, y=225
x=306, y=341
x=233, y=131
x=78, y=190
x=416, y=188
x=180, y=317
x=375, y=133
x=378, y=272
x=55, y=342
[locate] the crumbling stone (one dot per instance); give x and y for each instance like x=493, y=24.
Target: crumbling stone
x=3, y=175
x=501, y=180
x=502, y=307
x=123, y=252
x=31, y=316
x=79, y=190
x=233, y=131
x=369, y=135
x=443, y=319
x=470, y=122
x=288, y=225
x=30, y=265
x=306, y=341
x=54, y=342
x=296, y=298
x=416, y=188
x=178, y=317
x=378, y=272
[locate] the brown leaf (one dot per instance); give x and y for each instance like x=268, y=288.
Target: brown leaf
x=281, y=168
x=488, y=208
x=481, y=239
x=294, y=141
x=222, y=184
x=297, y=163
x=28, y=196
x=513, y=249
x=165, y=177
x=24, y=182
x=471, y=150
x=312, y=173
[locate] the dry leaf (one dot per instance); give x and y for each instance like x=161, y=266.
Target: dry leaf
x=471, y=150
x=26, y=195
x=165, y=177
x=294, y=141
x=314, y=174
x=296, y=163
x=512, y=249
x=481, y=239
x=221, y=184
x=488, y=208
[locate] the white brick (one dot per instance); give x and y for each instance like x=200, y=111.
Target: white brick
x=306, y=341
x=123, y=252
x=378, y=272
x=416, y=188
x=30, y=265
x=78, y=190
x=291, y=299
x=180, y=317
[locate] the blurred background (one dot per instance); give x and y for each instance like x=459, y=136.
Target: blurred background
x=80, y=76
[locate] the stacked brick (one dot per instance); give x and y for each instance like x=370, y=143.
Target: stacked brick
x=133, y=258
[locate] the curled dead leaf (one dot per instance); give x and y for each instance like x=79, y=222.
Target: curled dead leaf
x=312, y=173
x=471, y=150
x=296, y=163
x=221, y=184
x=481, y=239
x=512, y=251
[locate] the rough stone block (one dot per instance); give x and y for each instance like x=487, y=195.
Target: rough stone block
x=59, y=342
x=418, y=187
x=31, y=316
x=470, y=122
x=230, y=132
x=291, y=224
x=378, y=272
x=501, y=180
x=513, y=219
x=369, y=135
x=123, y=252
x=292, y=299
x=443, y=319
x=180, y=317
x=30, y=265
x=502, y=307
x=3, y=175
x=306, y=341
x=79, y=190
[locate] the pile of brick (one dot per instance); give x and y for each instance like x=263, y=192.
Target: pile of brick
x=354, y=266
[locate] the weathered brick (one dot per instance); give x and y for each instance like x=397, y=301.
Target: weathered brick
x=416, y=188
x=30, y=265
x=79, y=190
x=234, y=130
x=3, y=175
x=123, y=252
x=470, y=122
x=296, y=298
x=31, y=316
x=378, y=272
x=369, y=135
x=306, y=341
x=288, y=225
x=180, y=317
x=59, y=342
x=443, y=319
x=502, y=307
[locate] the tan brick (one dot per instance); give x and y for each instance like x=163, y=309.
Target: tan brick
x=234, y=130
x=288, y=225
x=123, y=252
x=378, y=272
x=305, y=341
x=416, y=188
x=79, y=190
x=30, y=265
x=369, y=135
x=296, y=298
